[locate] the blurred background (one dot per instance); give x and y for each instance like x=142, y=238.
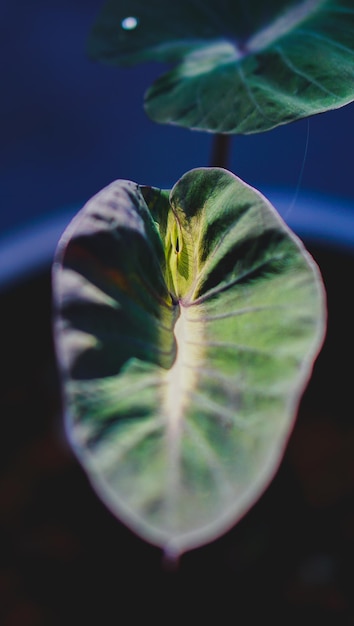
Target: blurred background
x=68, y=127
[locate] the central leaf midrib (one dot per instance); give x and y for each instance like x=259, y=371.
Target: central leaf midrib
x=283, y=24
x=177, y=386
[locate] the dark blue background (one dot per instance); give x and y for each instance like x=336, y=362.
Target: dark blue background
x=70, y=126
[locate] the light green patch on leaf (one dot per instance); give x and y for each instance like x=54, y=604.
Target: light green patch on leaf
x=187, y=324
x=241, y=67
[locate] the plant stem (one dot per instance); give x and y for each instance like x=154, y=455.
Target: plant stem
x=220, y=151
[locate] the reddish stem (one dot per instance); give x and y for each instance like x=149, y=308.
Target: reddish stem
x=220, y=152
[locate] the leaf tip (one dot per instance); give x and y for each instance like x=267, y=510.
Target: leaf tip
x=171, y=558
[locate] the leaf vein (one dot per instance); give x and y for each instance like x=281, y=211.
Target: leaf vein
x=308, y=78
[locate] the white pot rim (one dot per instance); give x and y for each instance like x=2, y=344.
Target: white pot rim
x=314, y=217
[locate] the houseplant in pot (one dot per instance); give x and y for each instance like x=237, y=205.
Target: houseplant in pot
x=187, y=321
x=289, y=551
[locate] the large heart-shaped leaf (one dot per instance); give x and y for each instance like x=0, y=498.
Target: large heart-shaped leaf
x=244, y=67
x=186, y=328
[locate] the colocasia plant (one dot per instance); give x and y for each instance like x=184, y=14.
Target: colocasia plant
x=187, y=321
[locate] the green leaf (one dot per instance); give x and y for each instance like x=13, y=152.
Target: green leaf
x=243, y=67
x=186, y=329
